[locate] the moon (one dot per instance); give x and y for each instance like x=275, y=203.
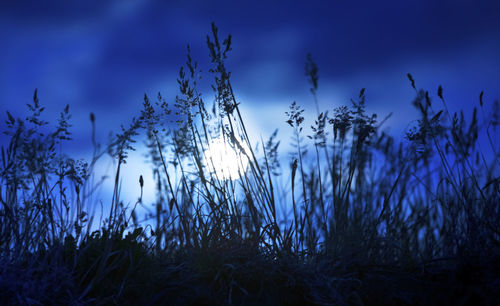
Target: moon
x=225, y=160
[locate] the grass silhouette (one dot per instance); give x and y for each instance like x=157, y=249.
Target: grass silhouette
x=362, y=219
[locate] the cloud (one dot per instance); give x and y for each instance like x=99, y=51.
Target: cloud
x=103, y=56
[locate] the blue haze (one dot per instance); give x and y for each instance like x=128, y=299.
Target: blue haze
x=102, y=58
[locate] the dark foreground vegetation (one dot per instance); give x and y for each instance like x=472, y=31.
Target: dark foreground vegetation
x=355, y=218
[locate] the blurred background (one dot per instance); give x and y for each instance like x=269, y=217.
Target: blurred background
x=102, y=57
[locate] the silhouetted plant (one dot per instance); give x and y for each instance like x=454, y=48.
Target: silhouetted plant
x=370, y=209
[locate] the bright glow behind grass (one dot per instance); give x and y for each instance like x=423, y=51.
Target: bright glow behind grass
x=226, y=160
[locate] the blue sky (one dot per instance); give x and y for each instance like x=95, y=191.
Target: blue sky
x=103, y=57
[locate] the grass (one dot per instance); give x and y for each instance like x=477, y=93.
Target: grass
x=362, y=218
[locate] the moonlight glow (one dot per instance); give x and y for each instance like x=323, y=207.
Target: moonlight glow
x=225, y=160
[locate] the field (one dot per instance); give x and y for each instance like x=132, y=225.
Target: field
x=353, y=216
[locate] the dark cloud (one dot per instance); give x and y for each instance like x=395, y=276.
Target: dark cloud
x=105, y=56
x=55, y=12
